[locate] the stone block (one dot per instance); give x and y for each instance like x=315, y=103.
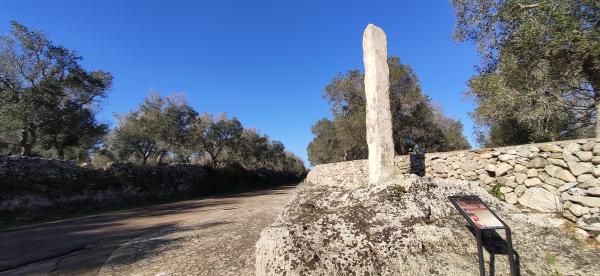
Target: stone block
x=539, y=199
x=578, y=210
x=502, y=169
x=579, y=168
x=559, y=173
x=531, y=182
x=584, y=155
x=588, y=201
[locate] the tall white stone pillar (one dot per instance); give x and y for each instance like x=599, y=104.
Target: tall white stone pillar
x=379, y=117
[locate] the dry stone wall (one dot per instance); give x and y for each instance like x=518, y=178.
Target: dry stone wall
x=31, y=185
x=562, y=177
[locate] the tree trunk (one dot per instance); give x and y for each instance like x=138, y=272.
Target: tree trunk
x=593, y=76
x=25, y=151
x=61, y=153
x=213, y=157
x=26, y=142
x=597, y=106
x=160, y=157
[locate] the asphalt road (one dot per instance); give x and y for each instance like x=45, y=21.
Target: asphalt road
x=80, y=246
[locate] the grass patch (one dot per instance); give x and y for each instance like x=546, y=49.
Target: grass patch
x=496, y=191
x=400, y=190
x=551, y=258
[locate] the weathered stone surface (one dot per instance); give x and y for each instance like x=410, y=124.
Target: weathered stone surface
x=550, y=148
x=539, y=199
x=386, y=231
x=537, y=162
x=532, y=182
x=519, y=168
x=590, y=222
x=585, y=178
x=543, y=176
x=588, y=146
x=586, y=200
x=560, y=173
x=569, y=152
x=577, y=191
x=584, y=155
x=554, y=181
x=523, y=152
x=502, y=169
x=593, y=191
x=558, y=162
x=568, y=215
x=347, y=174
x=469, y=166
x=490, y=168
x=567, y=186
x=511, y=198
x=510, y=182
x=532, y=173
x=596, y=171
x=578, y=210
x=596, y=149
x=506, y=157
x=379, y=117
x=581, y=234
x=551, y=189
x=520, y=178
x=587, y=181
x=439, y=167
x=520, y=190
x=579, y=168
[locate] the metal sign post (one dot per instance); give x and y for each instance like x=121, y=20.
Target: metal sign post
x=482, y=219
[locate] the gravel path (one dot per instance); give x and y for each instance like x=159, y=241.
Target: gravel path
x=220, y=242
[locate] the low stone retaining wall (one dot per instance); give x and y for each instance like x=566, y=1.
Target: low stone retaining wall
x=32, y=186
x=561, y=177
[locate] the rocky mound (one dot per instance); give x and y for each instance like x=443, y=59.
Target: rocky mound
x=407, y=227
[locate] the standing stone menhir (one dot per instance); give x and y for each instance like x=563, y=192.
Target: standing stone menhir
x=379, y=117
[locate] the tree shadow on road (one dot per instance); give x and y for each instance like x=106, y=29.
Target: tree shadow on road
x=153, y=244
x=28, y=245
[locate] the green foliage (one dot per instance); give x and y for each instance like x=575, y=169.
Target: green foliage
x=218, y=135
x=168, y=122
x=46, y=97
x=414, y=118
x=540, y=74
x=551, y=258
x=400, y=190
x=496, y=191
x=131, y=137
x=170, y=127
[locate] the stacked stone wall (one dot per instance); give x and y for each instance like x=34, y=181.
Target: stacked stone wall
x=31, y=185
x=561, y=177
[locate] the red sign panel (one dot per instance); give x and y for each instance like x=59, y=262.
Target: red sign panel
x=477, y=212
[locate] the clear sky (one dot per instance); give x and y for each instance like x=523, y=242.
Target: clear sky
x=264, y=62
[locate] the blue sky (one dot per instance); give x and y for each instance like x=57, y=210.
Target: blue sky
x=264, y=62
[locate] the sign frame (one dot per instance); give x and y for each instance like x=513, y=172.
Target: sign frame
x=478, y=232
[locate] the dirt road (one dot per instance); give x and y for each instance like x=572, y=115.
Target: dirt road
x=172, y=238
